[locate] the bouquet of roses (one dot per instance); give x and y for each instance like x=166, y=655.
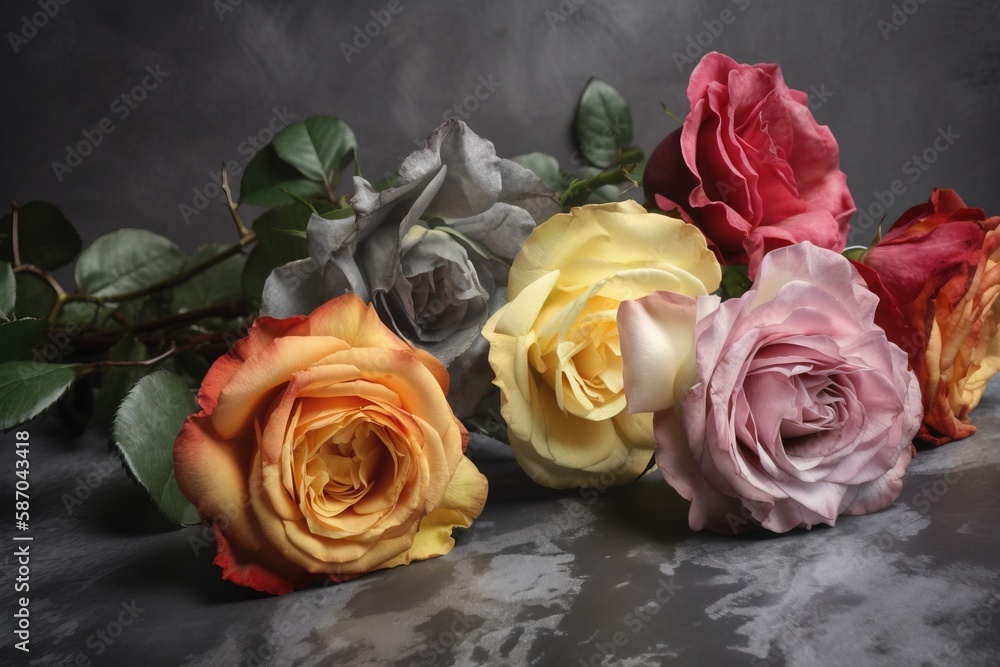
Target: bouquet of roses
x=344, y=347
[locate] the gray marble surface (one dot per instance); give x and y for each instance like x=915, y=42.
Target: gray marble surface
x=543, y=577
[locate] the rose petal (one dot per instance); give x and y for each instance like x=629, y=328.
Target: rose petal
x=657, y=339
x=462, y=503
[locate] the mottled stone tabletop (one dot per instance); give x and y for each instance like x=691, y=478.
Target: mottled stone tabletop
x=543, y=577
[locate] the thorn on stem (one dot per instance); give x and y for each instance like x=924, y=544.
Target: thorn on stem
x=241, y=228
x=15, y=243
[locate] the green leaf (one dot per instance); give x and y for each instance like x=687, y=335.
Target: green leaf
x=302, y=200
x=126, y=260
x=45, y=237
x=603, y=194
x=116, y=381
x=85, y=312
x=735, y=281
x=637, y=172
x=357, y=164
x=297, y=233
x=603, y=123
x=275, y=245
x=146, y=426
x=28, y=388
x=439, y=225
x=336, y=213
x=545, y=167
x=20, y=337
x=221, y=283
x=8, y=291
x=318, y=147
x=267, y=177
x=100, y=315
x=386, y=183
x=35, y=297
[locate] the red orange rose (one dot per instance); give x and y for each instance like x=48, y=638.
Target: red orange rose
x=937, y=272
x=325, y=446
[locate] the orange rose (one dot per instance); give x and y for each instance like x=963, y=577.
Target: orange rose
x=939, y=268
x=325, y=446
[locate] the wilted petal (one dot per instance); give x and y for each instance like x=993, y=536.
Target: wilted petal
x=373, y=208
x=341, y=275
x=436, y=299
x=524, y=189
x=324, y=237
x=379, y=259
x=293, y=289
x=473, y=183
x=502, y=229
x=431, y=288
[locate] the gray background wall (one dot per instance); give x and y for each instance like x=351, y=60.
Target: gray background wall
x=899, y=72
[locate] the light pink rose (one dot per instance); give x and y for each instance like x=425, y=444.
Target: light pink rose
x=793, y=409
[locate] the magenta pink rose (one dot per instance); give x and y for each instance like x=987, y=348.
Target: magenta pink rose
x=792, y=409
x=751, y=167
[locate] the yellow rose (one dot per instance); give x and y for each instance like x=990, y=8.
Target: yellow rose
x=325, y=446
x=554, y=347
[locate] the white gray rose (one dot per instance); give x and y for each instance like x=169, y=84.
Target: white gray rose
x=432, y=252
